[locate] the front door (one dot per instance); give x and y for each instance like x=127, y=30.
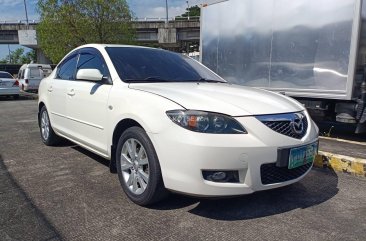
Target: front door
x=57, y=95
x=87, y=103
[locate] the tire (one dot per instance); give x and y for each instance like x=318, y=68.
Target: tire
x=16, y=97
x=48, y=136
x=136, y=170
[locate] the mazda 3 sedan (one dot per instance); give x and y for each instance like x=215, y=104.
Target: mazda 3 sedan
x=168, y=123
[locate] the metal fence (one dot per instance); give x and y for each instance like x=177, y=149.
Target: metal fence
x=147, y=19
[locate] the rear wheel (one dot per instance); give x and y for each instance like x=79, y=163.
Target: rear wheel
x=48, y=136
x=138, y=167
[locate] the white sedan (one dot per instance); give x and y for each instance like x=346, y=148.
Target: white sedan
x=8, y=85
x=166, y=122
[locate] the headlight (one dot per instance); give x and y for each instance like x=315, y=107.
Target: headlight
x=206, y=122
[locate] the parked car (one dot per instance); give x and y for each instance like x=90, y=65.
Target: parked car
x=167, y=122
x=30, y=75
x=8, y=85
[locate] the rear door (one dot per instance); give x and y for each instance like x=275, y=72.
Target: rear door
x=87, y=103
x=57, y=94
x=35, y=75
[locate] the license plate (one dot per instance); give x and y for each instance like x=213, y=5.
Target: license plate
x=302, y=155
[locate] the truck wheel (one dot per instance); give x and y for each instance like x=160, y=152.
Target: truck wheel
x=48, y=136
x=138, y=168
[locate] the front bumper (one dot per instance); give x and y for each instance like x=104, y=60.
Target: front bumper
x=183, y=155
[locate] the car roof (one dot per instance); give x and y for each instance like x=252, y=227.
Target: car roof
x=102, y=46
x=113, y=45
x=35, y=65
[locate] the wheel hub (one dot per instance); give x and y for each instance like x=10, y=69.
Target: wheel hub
x=135, y=166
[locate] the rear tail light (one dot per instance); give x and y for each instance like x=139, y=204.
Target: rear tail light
x=16, y=83
x=26, y=81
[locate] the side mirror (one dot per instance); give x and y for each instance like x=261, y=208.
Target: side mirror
x=89, y=74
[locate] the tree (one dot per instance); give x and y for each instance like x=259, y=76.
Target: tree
x=193, y=11
x=66, y=24
x=19, y=57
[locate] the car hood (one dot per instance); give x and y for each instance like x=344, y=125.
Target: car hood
x=224, y=98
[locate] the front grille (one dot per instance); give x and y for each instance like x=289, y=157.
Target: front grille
x=284, y=124
x=270, y=173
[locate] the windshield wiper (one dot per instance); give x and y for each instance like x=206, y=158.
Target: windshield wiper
x=156, y=79
x=146, y=80
x=210, y=80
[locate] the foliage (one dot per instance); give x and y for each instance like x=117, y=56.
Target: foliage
x=19, y=57
x=193, y=11
x=66, y=24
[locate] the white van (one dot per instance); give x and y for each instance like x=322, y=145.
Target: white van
x=30, y=75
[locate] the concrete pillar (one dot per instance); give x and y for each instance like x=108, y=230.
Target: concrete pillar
x=167, y=35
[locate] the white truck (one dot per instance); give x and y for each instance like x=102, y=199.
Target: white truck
x=312, y=50
x=30, y=75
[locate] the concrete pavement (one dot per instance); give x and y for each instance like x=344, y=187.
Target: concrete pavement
x=68, y=193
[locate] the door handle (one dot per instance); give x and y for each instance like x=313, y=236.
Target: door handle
x=50, y=89
x=71, y=92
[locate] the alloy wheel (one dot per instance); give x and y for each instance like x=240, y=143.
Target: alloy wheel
x=45, y=125
x=135, y=166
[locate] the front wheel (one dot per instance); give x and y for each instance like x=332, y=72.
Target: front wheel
x=138, y=167
x=48, y=136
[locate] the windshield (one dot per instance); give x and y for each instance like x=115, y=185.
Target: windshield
x=6, y=76
x=135, y=64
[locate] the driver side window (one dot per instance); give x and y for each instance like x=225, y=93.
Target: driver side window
x=92, y=61
x=67, y=69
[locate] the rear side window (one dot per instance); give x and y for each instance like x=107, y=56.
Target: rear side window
x=92, y=61
x=21, y=74
x=6, y=76
x=67, y=69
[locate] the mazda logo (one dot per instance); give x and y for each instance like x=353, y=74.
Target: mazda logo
x=298, y=123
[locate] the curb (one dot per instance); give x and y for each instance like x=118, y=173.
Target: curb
x=342, y=140
x=341, y=163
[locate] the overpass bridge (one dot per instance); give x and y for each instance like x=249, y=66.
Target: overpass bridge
x=177, y=34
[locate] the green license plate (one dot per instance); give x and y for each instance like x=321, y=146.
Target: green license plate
x=302, y=155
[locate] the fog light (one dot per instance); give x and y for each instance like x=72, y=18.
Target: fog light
x=221, y=176
x=218, y=176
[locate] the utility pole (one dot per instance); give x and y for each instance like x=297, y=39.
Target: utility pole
x=9, y=54
x=166, y=10
x=26, y=12
x=188, y=9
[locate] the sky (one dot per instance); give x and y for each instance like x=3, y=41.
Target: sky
x=13, y=10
